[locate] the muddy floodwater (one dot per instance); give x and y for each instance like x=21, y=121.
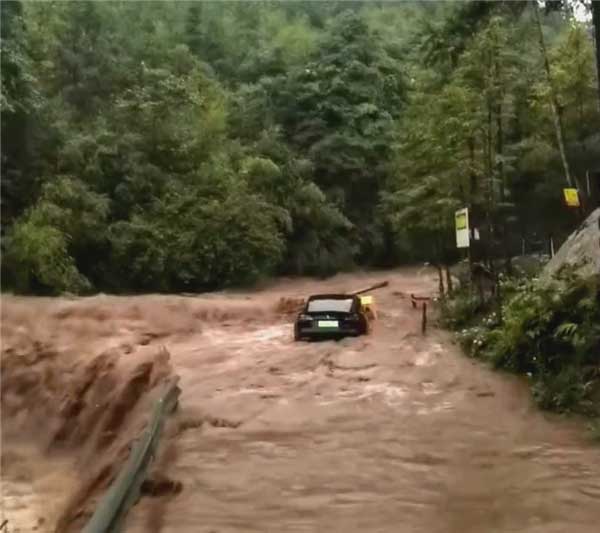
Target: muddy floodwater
x=391, y=432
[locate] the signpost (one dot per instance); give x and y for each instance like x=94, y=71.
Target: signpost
x=461, y=221
x=571, y=197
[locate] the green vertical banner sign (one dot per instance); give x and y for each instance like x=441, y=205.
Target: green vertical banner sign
x=461, y=221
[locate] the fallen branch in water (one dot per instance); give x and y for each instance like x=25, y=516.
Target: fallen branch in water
x=371, y=288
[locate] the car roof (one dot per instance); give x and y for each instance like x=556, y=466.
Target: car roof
x=337, y=296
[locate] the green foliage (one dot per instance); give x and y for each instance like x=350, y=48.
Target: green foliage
x=562, y=392
x=320, y=242
x=15, y=74
x=572, y=60
x=67, y=222
x=339, y=109
x=70, y=206
x=40, y=260
x=19, y=99
x=190, y=242
x=191, y=145
x=461, y=311
x=295, y=41
x=478, y=129
x=318, y=234
x=551, y=332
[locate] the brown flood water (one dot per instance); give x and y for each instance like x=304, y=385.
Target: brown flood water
x=391, y=432
x=388, y=433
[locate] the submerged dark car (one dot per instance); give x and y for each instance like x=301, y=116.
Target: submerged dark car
x=331, y=316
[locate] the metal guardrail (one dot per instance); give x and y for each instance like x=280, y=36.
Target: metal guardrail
x=125, y=489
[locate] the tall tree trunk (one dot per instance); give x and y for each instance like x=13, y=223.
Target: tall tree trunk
x=490, y=168
x=473, y=222
x=596, y=21
x=499, y=137
x=500, y=163
x=472, y=173
x=556, y=112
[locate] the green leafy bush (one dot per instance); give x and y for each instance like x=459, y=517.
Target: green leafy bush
x=39, y=259
x=462, y=310
x=190, y=242
x=68, y=221
x=549, y=332
x=560, y=392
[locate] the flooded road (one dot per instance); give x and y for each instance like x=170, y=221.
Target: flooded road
x=387, y=433
x=392, y=432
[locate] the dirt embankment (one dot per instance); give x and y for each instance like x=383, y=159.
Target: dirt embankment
x=79, y=379
x=70, y=411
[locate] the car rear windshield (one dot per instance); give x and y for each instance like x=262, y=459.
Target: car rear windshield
x=338, y=305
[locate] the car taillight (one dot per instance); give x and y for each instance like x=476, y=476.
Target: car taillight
x=353, y=318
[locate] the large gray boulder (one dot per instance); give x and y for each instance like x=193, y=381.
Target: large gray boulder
x=581, y=249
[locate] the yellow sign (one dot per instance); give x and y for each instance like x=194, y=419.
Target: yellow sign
x=368, y=305
x=571, y=197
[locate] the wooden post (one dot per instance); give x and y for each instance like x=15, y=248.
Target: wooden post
x=441, y=280
x=424, y=319
x=449, y=284
x=480, y=291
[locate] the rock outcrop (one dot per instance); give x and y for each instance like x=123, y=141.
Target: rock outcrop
x=581, y=250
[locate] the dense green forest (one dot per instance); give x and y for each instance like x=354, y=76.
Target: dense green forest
x=168, y=146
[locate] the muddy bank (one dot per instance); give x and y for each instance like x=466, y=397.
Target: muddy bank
x=69, y=416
